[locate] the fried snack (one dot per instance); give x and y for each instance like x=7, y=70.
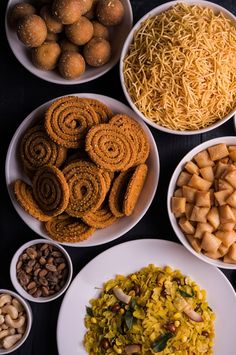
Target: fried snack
x=66, y=45
x=50, y=190
x=138, y=135
x=117, y=193
x=134, y=188
x=19, y=11
x=32, y=31
x=87, y=187
x=101, y=218
x=53, y=25
x=24, y=196
x=37, y=150
x=110, y=148
x=103, y=111
x=100, y=30
x=67, y=121
x=46, y=56
x=80, y=32
x=66, y=11
x=97, y=52
x=110, y=12
x=71, y=65
x=67, y=229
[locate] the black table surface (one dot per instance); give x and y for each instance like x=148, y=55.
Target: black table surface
x=20, y=93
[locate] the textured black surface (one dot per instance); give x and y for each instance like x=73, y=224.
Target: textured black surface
x=20, y=93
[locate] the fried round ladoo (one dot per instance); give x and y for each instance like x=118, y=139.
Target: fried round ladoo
x=134, y=188
x=101, y=218
x=46, y=56
x=66, y=11
x=52, y=37
x=110, y=147
x=103, y=111
x=85, y=6
x=71, y=65
x=37, y=150
x=67, y=46
x=67, y=121
x=97, y=52
x=19, y=11
x=32, y=31
x=67, y=229
x=50, y=190
x=24, y=196
x=117, y=193
x=53, y=25
x=130, y=125
x=110, y=12
x=79, y=32
x=100, y=30
x=87, y=187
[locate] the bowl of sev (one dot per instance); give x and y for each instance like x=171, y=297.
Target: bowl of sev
x=178, y=69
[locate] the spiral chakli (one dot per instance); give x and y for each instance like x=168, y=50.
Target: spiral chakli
x=68, y=119
x=50, y=190
x=37, y=150
x=110, y=147
x=103, y=112
x=87, y=187
x=101, y=218
x=137, y=135
x=24, y=196
x=67, y=229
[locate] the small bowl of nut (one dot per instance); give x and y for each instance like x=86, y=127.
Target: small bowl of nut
x=41, y=271
x=15, y=321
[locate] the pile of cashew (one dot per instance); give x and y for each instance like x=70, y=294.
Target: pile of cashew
x=12, y=321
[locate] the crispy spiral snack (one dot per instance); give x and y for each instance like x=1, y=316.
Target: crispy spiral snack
x=103, y=112
x=37, y=150
x=50, y=190
x=24, y=195
x=110, y=148
x=101, y=218
x=87, y=187
x=68, y=119
x=65, y=228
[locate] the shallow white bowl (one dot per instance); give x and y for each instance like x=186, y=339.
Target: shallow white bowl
x=118, y=36
x=171, y=189
x=16, y=283
x=156, y=11
x=29, y=315
x=14, y=170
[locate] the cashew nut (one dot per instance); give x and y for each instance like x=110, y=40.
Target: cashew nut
x=21, y=330
x=9, y=341
x=12, y=331
x=15, y=323
x=1, y=319
x=4, y=326
x=5, y=298
x=4, y=333
x=17, y=305
x=11, y=310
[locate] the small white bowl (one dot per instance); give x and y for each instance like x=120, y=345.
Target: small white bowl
x=29, y=315
x=171, y=189
x=156, y=11
x=118, y=36
x=16, y=283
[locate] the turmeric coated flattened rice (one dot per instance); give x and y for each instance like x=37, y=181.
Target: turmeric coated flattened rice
x=154, y=310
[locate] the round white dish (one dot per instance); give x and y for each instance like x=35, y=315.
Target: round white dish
x=154, y=12
x=29, y=315
x=130, y=257
x=171, y=189
x=118, y=37
x=16, y=283
x=14, y=170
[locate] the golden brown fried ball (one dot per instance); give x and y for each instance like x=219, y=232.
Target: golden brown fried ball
x=85, y=6
x=97, y=52
x=110, y=12
x=32, y=31
x=100, y=30
x=71, y=65
x=80, y=32
x=46, y=56
x=53, y=25
x=68, y=46
x=91, y=14
x=66, y=11
x=19, y=11
x=52, y=37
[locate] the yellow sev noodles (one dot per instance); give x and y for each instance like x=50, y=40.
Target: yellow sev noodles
x=180, y=70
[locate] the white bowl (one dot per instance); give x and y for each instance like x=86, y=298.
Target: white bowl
x=118, y=36
x=171, y=189
x=156, y=11
x=14, y=170
x=29, y=315
x=16, y=283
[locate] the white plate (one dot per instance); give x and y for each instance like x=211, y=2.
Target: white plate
x=118, y=37
x=14, y=170
x=171, y=189
x=130, y=257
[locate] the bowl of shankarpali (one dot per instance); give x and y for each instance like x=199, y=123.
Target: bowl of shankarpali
x=178, y=68
x=201, y=202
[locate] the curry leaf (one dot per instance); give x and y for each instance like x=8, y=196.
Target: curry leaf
x=161, y=342
x=186, y=292
x=129, y=319
x=89, y=311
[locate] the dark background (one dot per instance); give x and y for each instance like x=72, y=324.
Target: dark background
x=21, y=93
